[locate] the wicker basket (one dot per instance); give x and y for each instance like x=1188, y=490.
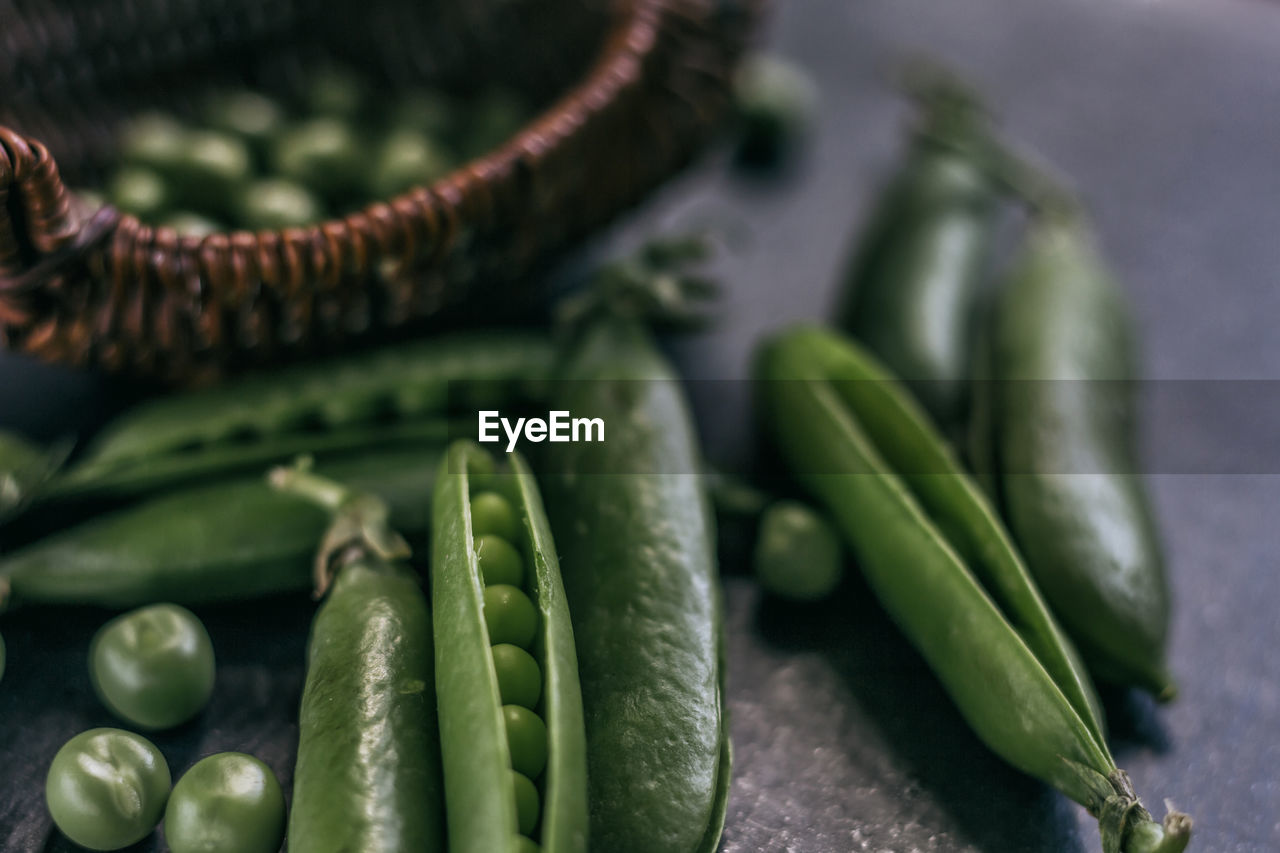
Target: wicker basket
x=635, y=87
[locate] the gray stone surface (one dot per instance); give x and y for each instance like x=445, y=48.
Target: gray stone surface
x=1167, y=117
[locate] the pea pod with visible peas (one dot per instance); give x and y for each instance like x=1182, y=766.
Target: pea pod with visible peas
x=1054, y=433
x=397, y=395
x=511, y=715
x=233, y=540
x=636, y=542
x=367, y=776
x=938, y=559
x=915, y=282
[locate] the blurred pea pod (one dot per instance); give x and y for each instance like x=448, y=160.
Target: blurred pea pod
x=402, y=395
x=636, y=543
x=937, y=558
x=915, y=281
x=238, y=539
x=1053, y=434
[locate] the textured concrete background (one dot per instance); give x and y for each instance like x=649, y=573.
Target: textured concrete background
x=1167, y=116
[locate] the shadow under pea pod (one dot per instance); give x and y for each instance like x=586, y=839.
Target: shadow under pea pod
x=921, y=777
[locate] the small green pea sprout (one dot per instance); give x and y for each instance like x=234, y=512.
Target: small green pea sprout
x=797, y=555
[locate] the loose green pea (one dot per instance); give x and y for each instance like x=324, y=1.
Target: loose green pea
x=492, y=513
x=276, y=203
x=510, y=616
x=107, y=788
x=226, y=803
x=519, y=678
x=527, y=845
x=526, y=740
x=138, y=191
x=153, y=667
x=527, y=804
x=500, y=562
x=797, y=554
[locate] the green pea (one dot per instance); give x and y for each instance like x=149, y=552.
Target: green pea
x=406, y=159
x=776, y=102
x=491, y=513
x=189, y=224
x=323, y=154
x=526, y=740
x=425, y=110
x=138, y=191
x=211, y=169
x=519, y=678
x=527, y=804
x=527, y=845
x=251, y=116
x=493, y=119
x=510, y=616
x=500, y=562
x=153, y=140
x=153, y=667
x=226, y=803
x=797, y=554
x=106, y=788
x=276, y=203
x=336, y=92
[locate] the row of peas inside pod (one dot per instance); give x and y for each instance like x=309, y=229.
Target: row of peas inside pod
x=247, y=160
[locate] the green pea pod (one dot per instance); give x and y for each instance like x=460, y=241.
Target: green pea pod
x=1057, y=437
x=229, y=541
x=938, y=559
x=23, y=468
x=475, y=697
x=367, y=776
x=407, y=380
x=913, y=288
x=636, y=546
x=149, y=474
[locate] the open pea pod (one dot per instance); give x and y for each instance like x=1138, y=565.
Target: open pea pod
x=936, y=556
x=637, y=548
x=510, y=701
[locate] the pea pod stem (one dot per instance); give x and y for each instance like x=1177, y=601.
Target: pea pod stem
x=360, y=520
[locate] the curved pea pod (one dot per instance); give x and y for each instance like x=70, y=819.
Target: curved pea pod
x=398, y=382
x=936, y=556
x=367, y=776
x=1056, y=437
x=914, y=286
x=239, y=539
x=636, y=542
x=474, y=587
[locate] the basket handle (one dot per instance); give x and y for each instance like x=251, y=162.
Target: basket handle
x=41, y=227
